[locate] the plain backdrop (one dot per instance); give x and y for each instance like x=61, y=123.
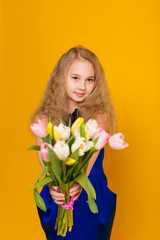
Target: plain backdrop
x=125, y=35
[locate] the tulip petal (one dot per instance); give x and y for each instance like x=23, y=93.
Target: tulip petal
x=116, y=141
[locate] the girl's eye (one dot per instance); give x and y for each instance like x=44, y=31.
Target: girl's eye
x=75, y=78
x=90, y=80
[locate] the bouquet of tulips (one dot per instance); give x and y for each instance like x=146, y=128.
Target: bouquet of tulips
x=65, y=152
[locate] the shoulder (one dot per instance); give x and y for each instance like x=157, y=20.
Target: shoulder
x=43, y=119
x=102, y=120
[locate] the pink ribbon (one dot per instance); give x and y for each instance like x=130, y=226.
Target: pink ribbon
x=69, y=205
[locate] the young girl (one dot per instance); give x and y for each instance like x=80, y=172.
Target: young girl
x=77, y=87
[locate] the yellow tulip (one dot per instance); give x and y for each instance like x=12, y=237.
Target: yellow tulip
x=70, y=161
x=57, y=136
x=77, y=123
x=49, y=129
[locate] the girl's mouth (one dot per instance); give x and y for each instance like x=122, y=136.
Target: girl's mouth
x=79, y=94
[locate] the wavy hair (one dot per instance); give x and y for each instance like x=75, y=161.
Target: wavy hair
x=55, y=100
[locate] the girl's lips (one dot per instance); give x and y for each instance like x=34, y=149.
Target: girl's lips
x=80, y=94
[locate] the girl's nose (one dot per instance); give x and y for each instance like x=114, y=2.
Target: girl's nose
x=82, y=85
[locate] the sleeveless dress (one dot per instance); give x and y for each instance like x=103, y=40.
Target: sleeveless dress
x=86, y=225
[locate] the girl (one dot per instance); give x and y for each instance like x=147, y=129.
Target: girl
x=77, y=87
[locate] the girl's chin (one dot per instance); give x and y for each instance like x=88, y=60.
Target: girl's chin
x=79, y=99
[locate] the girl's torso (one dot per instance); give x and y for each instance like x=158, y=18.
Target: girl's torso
x=87, y=225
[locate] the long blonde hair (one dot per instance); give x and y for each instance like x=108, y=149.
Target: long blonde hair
x=54, y=100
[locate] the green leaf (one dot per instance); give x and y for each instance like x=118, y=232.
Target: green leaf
x=50, y=118
x=92, y=205
x=48, y=139
x=75, y=155
x=83, y=180
x=86, y=166
x=45, y=163
x=70, y=141
x=76, y=171
x=44, y=172
x=69, y=173
x=95, y=141
x=34, y=147
x=86, y=158
x=53, y=140
x=82, y=130
x=39, y=200
x=69, y=124
x=43, y=182
x=55, y=181
x=55, y=164
x=61, y=121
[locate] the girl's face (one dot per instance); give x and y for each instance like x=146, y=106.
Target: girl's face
x=80, y=82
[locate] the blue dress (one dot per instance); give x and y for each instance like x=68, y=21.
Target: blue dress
x=86, y=225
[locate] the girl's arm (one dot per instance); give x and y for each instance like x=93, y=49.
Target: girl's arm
x=102, y=123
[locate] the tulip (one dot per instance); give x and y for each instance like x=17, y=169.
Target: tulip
x=70, y=161
x=44, y=151
x=116, y=141
x=56, y=134
x=79, y=143
x=39, y=129
x=88, y=145
x=76, y=123
x=82, y=145
x=103, y=138
x=49, y=129
x=76, y=132
x=92, y=127
x=61, y=149
x=63, y=131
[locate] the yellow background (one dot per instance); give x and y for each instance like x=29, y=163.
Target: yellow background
x=125, y=37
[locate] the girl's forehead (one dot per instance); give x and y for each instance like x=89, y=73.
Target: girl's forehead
x=81, y=65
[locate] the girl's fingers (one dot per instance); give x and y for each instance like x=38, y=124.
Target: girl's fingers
x=75, y=190
x=60, y=197
x=76, y=197
x=56, y=195
x=53, y=187
x=59, y=202
x=72, y=189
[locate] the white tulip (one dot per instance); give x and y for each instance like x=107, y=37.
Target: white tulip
x=76, y=132
x=88, y=145
x=79, y=143
x=61, y=149
x=63, y=130
x=82, y=145
x=92, y=127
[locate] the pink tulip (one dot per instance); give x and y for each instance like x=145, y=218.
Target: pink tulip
x=116, y=141
x=44, y=151
x=103, y=138
x=39, y=129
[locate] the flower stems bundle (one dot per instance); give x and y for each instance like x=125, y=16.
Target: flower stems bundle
x=65, y=152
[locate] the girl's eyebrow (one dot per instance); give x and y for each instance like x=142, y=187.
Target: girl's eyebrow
x=79, y=75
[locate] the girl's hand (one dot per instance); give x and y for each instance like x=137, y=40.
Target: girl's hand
x=75, y=191
x=57, y=196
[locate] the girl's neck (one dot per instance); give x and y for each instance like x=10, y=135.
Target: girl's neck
x=72, y=106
